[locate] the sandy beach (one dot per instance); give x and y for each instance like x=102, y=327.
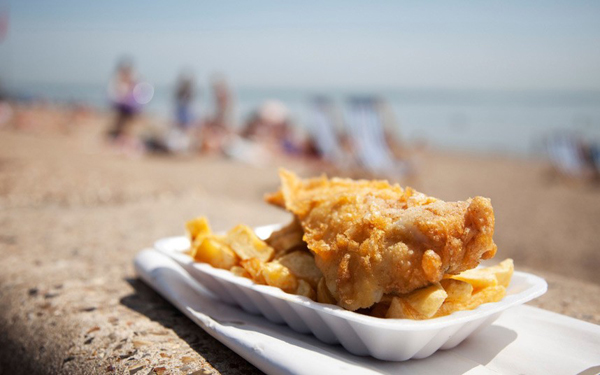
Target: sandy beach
x=74, y=214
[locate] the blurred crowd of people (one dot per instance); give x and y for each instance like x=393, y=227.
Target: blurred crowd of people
x=188, y=130
x=361, y=137
x=358, y=140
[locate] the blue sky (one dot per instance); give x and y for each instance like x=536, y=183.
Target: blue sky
x=374, y=44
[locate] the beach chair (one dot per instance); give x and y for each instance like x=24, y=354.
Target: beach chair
x=367, y=137
x=565, y=154
x=595, y=157
x=323, y=130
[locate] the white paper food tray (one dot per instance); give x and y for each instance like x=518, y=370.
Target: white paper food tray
x=386, y=339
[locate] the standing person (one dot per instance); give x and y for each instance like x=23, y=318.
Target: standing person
x=121, y=94
x=223, y=104
x=184, y=97
x=179, y=137
x=218, y=130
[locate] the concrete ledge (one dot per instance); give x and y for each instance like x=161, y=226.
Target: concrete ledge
x=72, y=221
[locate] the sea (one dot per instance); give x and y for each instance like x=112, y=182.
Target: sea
x=514, y=123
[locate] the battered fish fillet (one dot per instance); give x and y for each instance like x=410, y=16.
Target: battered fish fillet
x=370, y=238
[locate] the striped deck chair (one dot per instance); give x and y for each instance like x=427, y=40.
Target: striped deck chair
x=365, y=129
x=565, y=154
x=322, y=127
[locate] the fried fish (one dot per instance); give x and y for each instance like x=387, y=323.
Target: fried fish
x=371, y=238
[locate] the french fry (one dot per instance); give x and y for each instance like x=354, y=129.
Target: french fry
x=421, y=304
x=489, y=294
x=479, y=278
x=323, y=293
x=485, y=295
x=287, y=239
x=197, y=227
x=247, y=245
x=213, y=251
x=457, y=290
x=240, y=271
x=254, y=267
x=503, y=272
x=400, y=309
x=380, y=309
x=303, y=266
x=279, y=276
x=426, y=301
x=450, y=307
x=306, y=290
x=459, y=297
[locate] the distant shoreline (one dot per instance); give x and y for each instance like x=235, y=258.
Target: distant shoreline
x=507, y=122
